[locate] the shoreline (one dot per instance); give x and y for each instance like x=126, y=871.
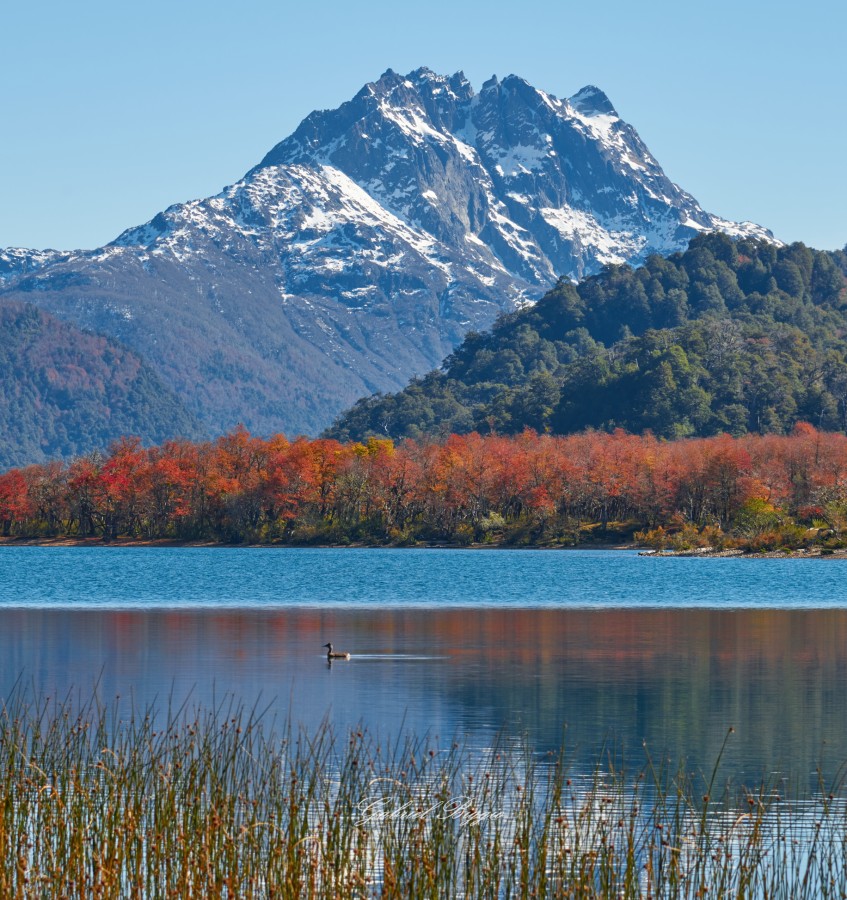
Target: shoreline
x=710, y=553
x=598, y=546
x=353, y=545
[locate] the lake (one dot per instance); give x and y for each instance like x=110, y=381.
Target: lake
x=596, y=648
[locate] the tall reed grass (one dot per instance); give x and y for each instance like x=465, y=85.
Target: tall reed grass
x=219, y=803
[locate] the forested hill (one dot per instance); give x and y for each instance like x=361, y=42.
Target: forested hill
x=66, y=392
x=728, y=336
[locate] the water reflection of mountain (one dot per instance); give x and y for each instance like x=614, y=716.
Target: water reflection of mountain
x=676, y=679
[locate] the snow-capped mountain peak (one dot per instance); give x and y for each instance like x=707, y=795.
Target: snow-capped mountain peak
x=591, y=101
x=364, y=245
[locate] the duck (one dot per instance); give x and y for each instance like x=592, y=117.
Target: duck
x=336, y=655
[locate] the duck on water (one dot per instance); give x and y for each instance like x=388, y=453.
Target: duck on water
x=335, y=655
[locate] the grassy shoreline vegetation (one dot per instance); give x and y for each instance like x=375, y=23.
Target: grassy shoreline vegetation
x=216, y=803
x=754, y=494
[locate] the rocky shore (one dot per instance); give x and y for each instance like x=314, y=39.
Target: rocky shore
x=735, y=552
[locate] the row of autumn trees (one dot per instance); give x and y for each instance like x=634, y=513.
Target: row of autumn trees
x=528, y=488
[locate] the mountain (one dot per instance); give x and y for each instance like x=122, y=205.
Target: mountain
x=363, y=247
x=65, y=392
x=728, y=336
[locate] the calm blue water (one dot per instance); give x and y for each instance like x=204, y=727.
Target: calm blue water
x=597, y=647
x=125, y=578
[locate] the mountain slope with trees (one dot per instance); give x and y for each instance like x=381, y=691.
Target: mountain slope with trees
x=727, y=336
x=65, y=392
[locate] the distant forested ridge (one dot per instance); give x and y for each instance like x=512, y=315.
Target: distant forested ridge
x=65, y=391
x=726, y=337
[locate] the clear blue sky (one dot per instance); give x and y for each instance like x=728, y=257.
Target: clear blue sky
x=114, y=111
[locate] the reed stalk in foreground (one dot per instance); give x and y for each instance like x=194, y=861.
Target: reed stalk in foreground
x=215, y=803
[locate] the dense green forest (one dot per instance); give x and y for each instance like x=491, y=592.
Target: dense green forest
x=728, y=336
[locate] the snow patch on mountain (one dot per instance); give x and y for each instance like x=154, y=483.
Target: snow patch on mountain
x=610, y=247
x=16, y=262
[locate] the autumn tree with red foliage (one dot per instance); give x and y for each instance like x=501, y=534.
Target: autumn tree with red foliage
x=526, y=489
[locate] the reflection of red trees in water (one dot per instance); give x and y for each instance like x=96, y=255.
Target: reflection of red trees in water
x=462, y=488
x=599, y=642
